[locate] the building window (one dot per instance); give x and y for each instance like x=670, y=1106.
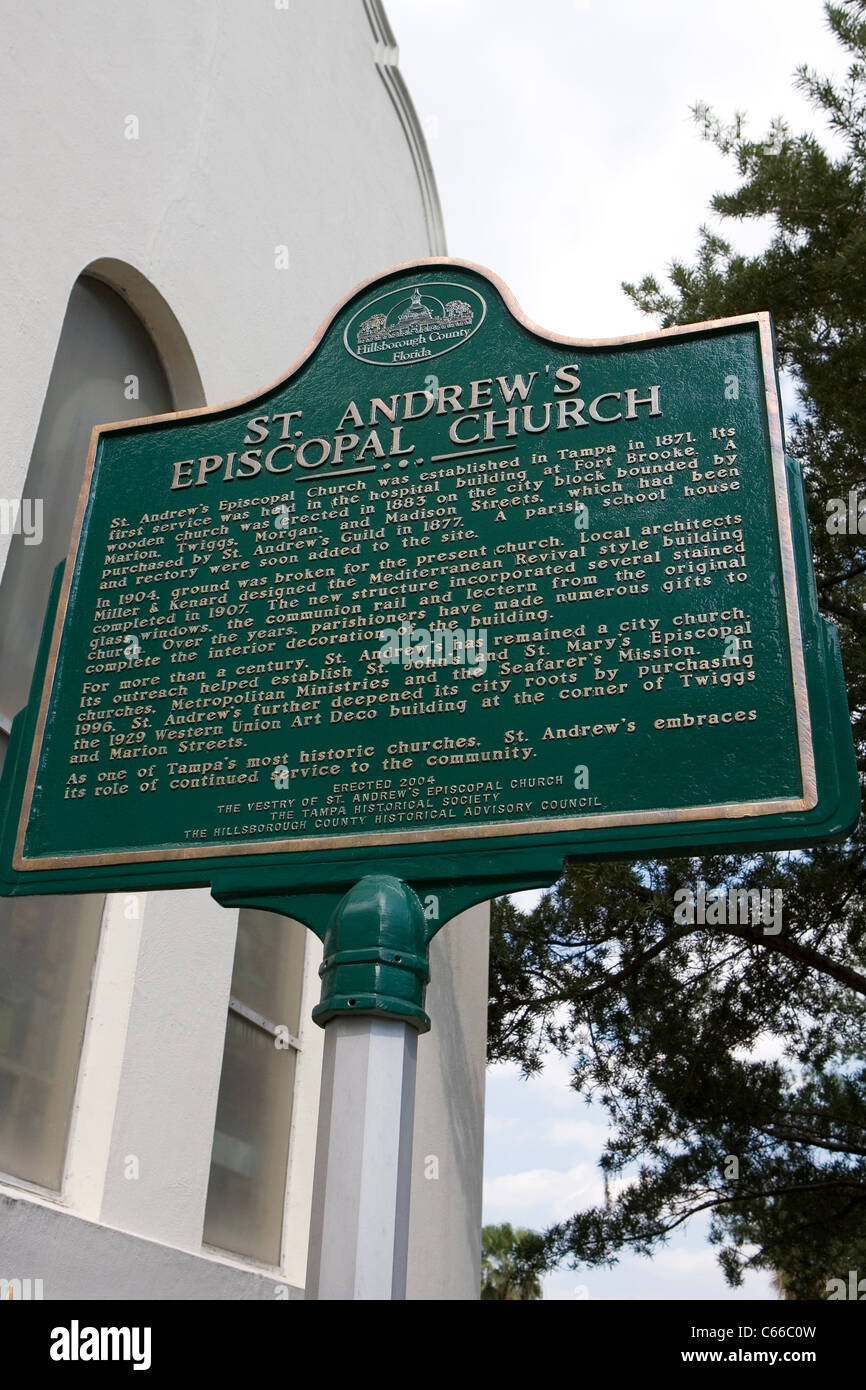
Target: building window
x=106, y=368
x=249, y=1161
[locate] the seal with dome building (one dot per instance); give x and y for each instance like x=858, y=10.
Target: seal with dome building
x=412, y=327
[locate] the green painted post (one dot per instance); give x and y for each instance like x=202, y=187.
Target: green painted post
x=376, y=954
x=374, y=973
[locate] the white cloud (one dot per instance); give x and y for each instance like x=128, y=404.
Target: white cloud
x=767, y=1047
x=552, y=1083
x=540, y=1196
x=569, y=160
x=500, y=1124
x=582, y=1134
x=670, y=1262
x=527, y=900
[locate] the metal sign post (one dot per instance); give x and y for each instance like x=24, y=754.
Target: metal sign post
x=375, y=961
x=359, y=1232
x=455, y=601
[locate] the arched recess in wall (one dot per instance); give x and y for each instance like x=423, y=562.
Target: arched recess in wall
x=121, y=354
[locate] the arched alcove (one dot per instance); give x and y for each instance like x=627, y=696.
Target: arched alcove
x=121, y=355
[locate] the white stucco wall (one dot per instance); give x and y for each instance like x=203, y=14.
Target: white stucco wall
x=258, y=127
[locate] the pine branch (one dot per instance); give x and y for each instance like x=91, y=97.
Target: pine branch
x=803, y=955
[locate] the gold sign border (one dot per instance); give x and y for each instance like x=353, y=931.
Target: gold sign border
x=662, y=816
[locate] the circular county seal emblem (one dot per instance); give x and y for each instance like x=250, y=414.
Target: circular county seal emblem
x=406, y=325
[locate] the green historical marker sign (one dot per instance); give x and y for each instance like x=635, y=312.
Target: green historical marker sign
x=456, y=599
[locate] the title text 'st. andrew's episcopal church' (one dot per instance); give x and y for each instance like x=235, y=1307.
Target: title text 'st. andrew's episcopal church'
x=192, y=187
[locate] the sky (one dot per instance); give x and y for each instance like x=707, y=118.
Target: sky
x=567, y=161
